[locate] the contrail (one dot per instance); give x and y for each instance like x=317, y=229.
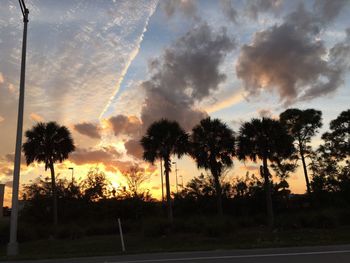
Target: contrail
x=131, y=58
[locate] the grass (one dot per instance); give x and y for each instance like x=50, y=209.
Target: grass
x=108, y=245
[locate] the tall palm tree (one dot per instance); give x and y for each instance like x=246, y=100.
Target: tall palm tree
x=212, y=147
x=164, y=138
x=265, y=139
x=48, y=143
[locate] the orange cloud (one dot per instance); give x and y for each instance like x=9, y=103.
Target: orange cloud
x=36, y=117
x=128, y=125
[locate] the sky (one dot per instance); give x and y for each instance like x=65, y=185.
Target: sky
x=108, y=69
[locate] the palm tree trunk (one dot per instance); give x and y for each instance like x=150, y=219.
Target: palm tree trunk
x=54, y=195
x=167, y=185
x=267, y=187
x=305, y=169
x=218, y=191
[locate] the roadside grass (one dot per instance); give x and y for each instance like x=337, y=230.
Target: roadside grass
x=108, y=245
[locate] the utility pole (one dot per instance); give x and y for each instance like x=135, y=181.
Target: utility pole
x=12, y=247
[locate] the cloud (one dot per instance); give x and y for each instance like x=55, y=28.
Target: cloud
x=339, y=63
x=128, y=125
x=118, y=165
x=94, y=156
x=10, y=158
x=255, y=7
x=265, y=113
x=132, y=56
x=226, y=102
x=134, y=148
x=36, y=117
x=328, y=10
x=89, y=129
x=187, y=7
x=229, y=11
x=75, y=51
x=1, y=119
x=288, y=59
x=2, y=80
x=186, y=73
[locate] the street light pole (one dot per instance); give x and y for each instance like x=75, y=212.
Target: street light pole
x=182, y=181
x=72, y=168
x=177, y=186
x=12, y=247
x=161, y=179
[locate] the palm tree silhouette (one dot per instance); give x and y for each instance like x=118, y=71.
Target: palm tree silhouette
x=265, y=139
x=48, y=143
x=212, y=147
x=302, y=125
x=164, y=138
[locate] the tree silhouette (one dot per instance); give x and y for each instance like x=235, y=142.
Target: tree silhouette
x=135, y=176
x=212, y=147
x=338, y=140
x=265, y=139
x=48, y=143
x=164, y=138
x=302, y=125
x=96, y=185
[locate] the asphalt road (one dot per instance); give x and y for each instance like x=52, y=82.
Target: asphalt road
x=334, y=254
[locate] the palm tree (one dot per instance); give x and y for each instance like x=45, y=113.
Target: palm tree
x=265, y=139
x=48, y=143
x=212, y=147
x=164, y=138
x=302, y=125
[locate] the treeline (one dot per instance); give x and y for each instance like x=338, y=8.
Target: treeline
x=278, y=146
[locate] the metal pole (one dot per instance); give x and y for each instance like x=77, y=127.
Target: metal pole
x=121, y=235
x=177, y=186
x=71, y=168
x=161, y=179
x=12, y=247
x=2, y=192
x=182, y=181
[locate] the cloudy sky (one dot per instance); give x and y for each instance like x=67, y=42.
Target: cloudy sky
x=107, y=69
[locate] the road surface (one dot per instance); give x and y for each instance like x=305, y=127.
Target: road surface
x=333, y=254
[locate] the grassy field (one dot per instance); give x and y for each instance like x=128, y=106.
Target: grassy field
x=110, y=244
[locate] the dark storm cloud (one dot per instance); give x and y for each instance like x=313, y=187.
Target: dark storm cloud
x=187, y=72
x=89, y=129
x=188, y=7
x=289, y=60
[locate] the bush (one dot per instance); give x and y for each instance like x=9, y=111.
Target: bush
x=70, y=232
x=156, y=227
x=4, y=231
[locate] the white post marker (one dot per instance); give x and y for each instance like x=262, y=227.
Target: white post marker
x=121, y=235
